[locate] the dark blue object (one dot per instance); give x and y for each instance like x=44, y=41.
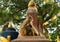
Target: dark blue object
x=10, y=31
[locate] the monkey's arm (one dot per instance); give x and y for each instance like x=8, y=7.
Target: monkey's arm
x=34, y=28
x=24, y=22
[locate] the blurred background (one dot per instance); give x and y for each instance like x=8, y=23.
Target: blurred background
x=14, y=11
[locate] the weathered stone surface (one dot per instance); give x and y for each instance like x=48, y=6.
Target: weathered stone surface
x=31, y=39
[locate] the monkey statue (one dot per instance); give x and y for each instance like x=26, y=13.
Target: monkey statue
x=32, y=21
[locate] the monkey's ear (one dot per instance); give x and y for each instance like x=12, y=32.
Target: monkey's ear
x=31, y=4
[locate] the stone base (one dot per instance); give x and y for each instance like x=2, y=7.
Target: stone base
x=31, y=39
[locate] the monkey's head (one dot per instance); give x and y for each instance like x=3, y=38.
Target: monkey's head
x=31, y=4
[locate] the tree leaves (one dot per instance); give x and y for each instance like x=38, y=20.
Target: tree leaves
x=12, y=10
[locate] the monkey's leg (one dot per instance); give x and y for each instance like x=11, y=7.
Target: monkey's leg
x=23, y=32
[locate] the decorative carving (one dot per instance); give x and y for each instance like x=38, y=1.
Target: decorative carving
x=31, y=26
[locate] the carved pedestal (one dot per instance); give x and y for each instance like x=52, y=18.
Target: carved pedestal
x=31, y=39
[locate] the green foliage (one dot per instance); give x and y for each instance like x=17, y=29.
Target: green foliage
x=47, y=11
x=13, y=10
x=55, y=34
